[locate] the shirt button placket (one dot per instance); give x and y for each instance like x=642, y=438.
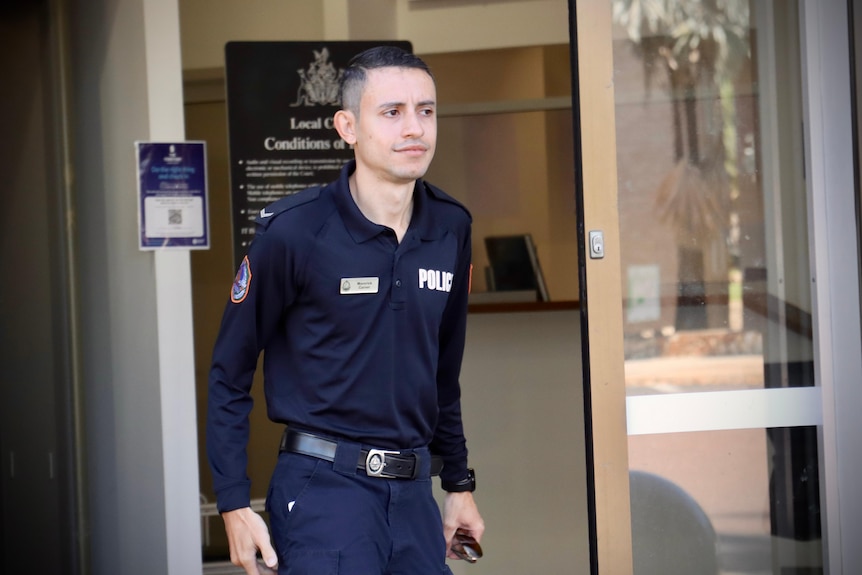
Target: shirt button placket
x=396, y=292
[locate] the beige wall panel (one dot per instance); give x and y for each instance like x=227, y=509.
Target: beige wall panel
x=488, y=75
x=523, y=416
x=208, y=24
x=447, y=26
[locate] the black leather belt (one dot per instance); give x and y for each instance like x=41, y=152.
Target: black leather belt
x=375, y=462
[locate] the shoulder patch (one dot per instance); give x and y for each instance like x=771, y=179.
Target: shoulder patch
x=270, y=212
x=242, y=282
x=444, y=197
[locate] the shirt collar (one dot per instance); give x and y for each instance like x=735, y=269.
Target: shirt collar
x=422, y=222
x=361, y=229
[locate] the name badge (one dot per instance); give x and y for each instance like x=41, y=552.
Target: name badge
x=352, y=286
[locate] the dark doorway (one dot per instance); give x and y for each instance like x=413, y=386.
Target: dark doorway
x=37, y=521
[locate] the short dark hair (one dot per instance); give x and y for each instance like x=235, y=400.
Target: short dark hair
x=353, y=79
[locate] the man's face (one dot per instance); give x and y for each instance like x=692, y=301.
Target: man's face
x=396, y=132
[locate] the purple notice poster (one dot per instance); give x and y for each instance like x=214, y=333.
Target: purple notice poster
x=172, y=195
x=281, y=97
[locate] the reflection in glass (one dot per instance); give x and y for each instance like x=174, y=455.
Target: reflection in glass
x=712, y=205
x=712, y=195
x=728, y=504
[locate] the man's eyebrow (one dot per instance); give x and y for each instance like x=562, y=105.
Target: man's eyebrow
x=386, y=105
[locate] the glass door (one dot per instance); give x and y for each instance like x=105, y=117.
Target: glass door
x=722, y=407
x=711, y=309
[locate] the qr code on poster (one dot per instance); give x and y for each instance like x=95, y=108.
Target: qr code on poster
x=175, y=217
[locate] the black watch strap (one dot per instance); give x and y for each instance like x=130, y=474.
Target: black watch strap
x=468, y=484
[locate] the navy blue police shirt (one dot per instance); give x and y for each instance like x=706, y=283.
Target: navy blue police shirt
x=362, y=335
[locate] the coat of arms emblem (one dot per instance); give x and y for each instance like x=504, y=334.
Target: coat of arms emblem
x=319, y=83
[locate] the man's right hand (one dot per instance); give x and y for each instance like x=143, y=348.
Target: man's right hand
x=246, y=533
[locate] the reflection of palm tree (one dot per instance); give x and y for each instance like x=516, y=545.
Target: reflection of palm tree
x=687, y=201
x=699, y=44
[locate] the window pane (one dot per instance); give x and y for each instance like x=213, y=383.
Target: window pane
x=742, y=501
x=712, y=196
x=712, y=203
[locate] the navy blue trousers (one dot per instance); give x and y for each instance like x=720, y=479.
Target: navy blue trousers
x=332, y=519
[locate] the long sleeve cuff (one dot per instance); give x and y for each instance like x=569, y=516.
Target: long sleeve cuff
x=234, y=497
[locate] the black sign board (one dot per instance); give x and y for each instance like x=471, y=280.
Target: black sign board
x=281, y=97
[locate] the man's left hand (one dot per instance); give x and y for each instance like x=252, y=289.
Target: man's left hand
x=460, y=512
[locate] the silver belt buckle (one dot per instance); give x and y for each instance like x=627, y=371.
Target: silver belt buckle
x=375, y=463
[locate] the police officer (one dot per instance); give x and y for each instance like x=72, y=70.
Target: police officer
x=357, y=294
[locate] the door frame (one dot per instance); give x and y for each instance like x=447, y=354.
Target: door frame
x=829, y=160
x=601, y=318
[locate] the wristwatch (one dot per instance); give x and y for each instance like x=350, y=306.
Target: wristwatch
x=468, y=484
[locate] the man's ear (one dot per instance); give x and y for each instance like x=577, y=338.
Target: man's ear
x=345, y=125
